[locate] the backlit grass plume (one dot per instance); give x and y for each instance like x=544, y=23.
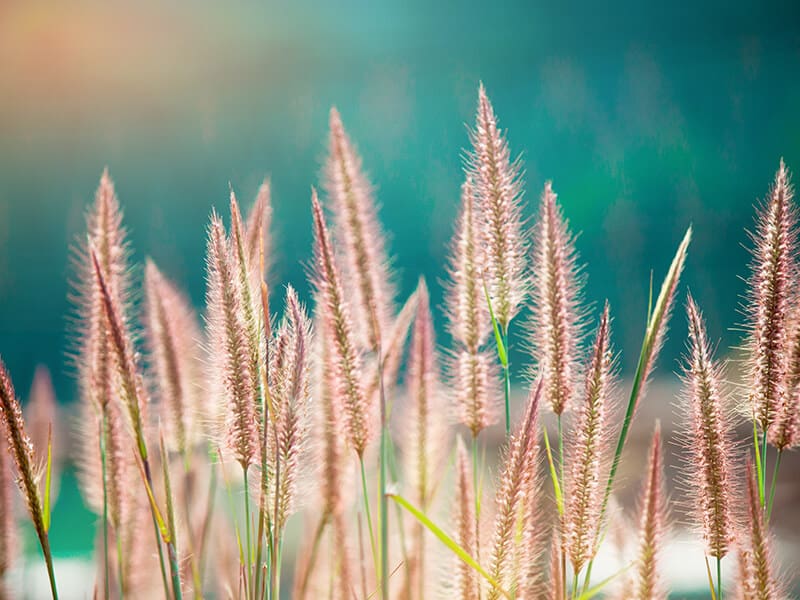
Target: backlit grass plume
x=339, y=326
x=648, y=578
x=173, y=339
x=519, y=467
x=588, y=450
x=358, y=234
x=465, y=581
x=784, y=433
x=709, y=467
x=231, y=363
x=758, y=579
x=556, y=296
x=769, y=296
x=498, y=189
x=472, y=367
x=22, y=453
x=258, y=228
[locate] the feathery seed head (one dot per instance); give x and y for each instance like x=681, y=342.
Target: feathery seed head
x=8, y=522
x=231, y=363
x=474, y=379
x=784, y=432
x=347, y=373
x=173, y=337
x=649, y=583
x=556, y=294
x=770, y=292
x=466, y=580
x=589, y=450
x=759, y=575
x=469, y=323
x=518, y=470
x=257, y=227
x=498, y=189
x=708, y=470
x=359, y=234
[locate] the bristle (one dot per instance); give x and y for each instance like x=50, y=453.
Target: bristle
x=518, y=468
x=359, y=234
x=709, y=473
x=475, y=384
x=347, y=371
x=498, y=189
x=291, y=396
x=760, y=574
x=466, y=579
x=648, y=579
x=173, y=338
x=588, y=451
x=556, y=296
x=770, y=292
x=469, y=316
x=230, y=362
x=784, y=432
x=257, y=228
x=424, y=448
x=21, y=451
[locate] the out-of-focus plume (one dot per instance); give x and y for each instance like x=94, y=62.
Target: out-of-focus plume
x=466, y=584
x=708, y=470
x=258, y=232
x=588, y=453
x=555, y=325
x=173, y=338
x=347, y=371
x=8, y=522
x=648, y=580
x=44, y=424
x=519, y=468
x=498, y=189
x=770, y=293
x=231, y=363
x=359, y=234
x=424, y=430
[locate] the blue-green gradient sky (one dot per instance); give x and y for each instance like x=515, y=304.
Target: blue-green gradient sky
x=646, y=116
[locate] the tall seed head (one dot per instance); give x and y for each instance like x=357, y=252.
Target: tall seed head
x=556, y=294
x=466, y=579
x=498, y=189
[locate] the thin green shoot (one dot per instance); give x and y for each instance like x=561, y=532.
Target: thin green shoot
x=759, y=465
x=773, y=485
x=365, y=492
x=553, y=475
x=710, y=580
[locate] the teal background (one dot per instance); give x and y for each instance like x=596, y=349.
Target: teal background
x=647, y=117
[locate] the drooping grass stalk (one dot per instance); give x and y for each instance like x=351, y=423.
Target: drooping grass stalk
x=773, y=485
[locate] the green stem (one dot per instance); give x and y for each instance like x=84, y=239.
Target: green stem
x=476, y=492
x=248, y=553
x=719, y=578
x=149, y=479
x=44, y=540
x=507, y=384
x=367, y=515
x=575, y=586
x=561, y=452
x=764, y=470
x=383, y=513
x=773, y=484
x=103, y=426
x=759, y=466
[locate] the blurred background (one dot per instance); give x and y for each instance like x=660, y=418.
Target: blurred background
x=647, y=117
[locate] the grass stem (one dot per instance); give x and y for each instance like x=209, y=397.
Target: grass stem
x=367, y=514
x=773, y=484
x=103, y=425
x=248, y=552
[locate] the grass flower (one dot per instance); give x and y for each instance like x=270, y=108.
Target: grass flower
x=770, y=292
x=556, y=295
x=708, y=471
x=759, y=582
x=588, y=455
x=648, y=579
x=498, y=189
x=258, y=236
x=465, y=581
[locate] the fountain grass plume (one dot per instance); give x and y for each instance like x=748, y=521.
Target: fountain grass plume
x=588, y=452
x=519, y=467
x=555, y=325
x=231, y=363
x=172, y=338
x=756, y=543
x=8, y=523
x=498, y=189
x=339, y=326
x=22, y=453
x=258, y=235
x=770, y=292
x=648, y=578
x=708, y=471
x=784, y=433
x=473, y=375
x=358, y=234
x=465, y=582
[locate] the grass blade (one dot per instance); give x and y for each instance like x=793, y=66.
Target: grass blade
x=47, y=480
x=594, y=590
x=553, y=475
x=447, y=541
